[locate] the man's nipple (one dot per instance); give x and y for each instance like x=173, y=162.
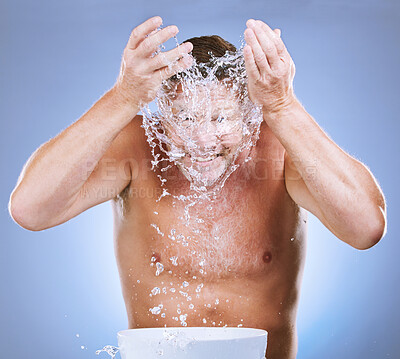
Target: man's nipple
x=267, y=257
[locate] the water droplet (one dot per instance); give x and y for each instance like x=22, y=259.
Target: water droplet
x=174, y=260
x=156, y=310
x=160, y=268
x=155, y=291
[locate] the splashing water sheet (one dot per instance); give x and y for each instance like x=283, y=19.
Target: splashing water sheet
x=206, y=126
x=197, y=115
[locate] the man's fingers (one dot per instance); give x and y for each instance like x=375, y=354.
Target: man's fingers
x=165, y=58
x=184, y=63
x=266, y=28
x=267, y=45
x=258, y=53
x=139, y=32
x=280, y=46
x=275, y=36
x=250, y=63
x=151, y=43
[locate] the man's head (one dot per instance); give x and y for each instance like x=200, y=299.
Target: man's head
x=204, y=126
x=203, y=47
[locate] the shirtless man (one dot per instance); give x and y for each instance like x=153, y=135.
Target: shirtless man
x=256, y=271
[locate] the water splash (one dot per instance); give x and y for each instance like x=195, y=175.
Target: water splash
x=204, y=124
x=110, y=350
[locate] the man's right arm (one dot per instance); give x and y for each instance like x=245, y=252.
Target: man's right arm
x=68, y=174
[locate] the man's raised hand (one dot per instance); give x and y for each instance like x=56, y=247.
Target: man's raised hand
x=141, y=74
x=270, y=68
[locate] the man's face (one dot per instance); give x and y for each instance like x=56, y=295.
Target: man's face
x=204, y=132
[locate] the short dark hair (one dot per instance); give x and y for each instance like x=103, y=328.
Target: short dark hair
x=203, y=47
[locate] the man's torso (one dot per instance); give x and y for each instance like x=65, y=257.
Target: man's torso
x=238, y=262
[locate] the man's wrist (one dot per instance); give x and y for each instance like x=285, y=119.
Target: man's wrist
x=287, y=107
x=114, y=109
x=119, y=100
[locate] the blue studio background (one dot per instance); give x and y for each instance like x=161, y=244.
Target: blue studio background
x=58, y=57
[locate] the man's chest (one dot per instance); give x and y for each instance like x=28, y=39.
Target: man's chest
x=237, y=232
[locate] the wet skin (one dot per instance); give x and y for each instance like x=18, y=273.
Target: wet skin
x=254, y=269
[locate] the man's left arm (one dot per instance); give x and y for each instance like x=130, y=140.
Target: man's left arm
x=319, y=175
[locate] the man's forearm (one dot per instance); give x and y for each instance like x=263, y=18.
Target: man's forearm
x=340, y=190
x=56, y=172
x=343, y=188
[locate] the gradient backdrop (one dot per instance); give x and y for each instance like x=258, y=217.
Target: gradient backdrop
x=58, y=57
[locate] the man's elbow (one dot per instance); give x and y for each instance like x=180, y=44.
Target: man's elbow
x=372, y=233
x=22, y=214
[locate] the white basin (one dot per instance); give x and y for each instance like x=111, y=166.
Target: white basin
x=193, y=343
